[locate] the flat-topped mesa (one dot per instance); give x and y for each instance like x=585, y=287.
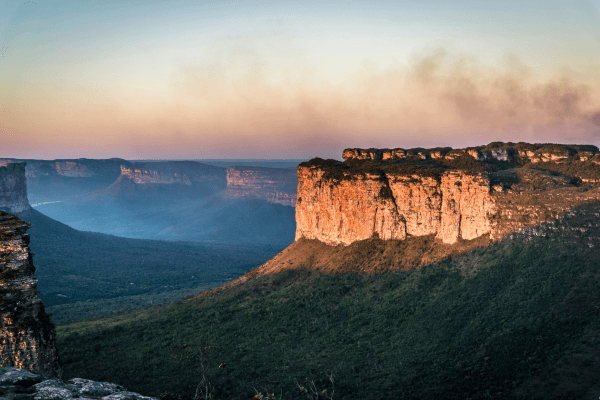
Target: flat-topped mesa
x=275, y=185
x=453, y=194
x=392, y=205
x=71, y=168
x=172, y=172
x=26, y=333
x=13, y=188
x=141, y=175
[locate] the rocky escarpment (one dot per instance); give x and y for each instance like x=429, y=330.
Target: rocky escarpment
x=188, y=173
x=521, y=153
x=22, y=384
x=71, y=168
x=26, y=333
x=275, y=185
x=391, y=205
x=452, y=194
x=13, y=187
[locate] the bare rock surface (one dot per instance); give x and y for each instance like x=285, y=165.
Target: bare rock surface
x=13, y=187
x=275, y=185
x=26, y=333
x=454, y=194
x=22, y=384
x=182, y=172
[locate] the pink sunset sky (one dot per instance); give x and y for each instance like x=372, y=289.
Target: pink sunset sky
x=252, y=79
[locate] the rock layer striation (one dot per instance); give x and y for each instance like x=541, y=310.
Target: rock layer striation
x=275, y=185
x=26, y=333
x=13, y=188
x=453, y=194
x=182, y=172
x=391, y=206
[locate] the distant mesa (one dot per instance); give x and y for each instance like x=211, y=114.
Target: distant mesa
x=67, y=179
x=176, y=200
x=61, y=179
x=72, y=168
x=169, y=172
x=275, y=185
x=13, y=187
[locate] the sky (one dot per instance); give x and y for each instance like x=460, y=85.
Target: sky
x=293, y=79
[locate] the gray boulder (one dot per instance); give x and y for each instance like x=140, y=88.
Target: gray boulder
x=19, y=384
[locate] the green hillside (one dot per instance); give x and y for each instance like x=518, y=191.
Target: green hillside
x=518, y=319
x=86, y=274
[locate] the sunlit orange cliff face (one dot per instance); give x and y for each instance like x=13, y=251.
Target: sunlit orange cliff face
x=451, y=194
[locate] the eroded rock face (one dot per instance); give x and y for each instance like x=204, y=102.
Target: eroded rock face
x=345, y=211
x=454, y=194
x=26, y=333
x=275, y=185
x=182, y=172
x=467, y=206
x=13, y=188
x=418, y=200
x=508, y=152
x=142, y=176
x=392, y=206
x=74, y=168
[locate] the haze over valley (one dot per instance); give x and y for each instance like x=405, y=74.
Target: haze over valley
x=173, y=200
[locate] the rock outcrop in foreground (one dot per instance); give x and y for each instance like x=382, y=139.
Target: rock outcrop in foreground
x=13, y=187
x=452, y=194
x=26, y=332
x=275, y=185
x=21, y=384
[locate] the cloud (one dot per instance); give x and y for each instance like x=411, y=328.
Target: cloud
x=440, y=96
x=245, y=99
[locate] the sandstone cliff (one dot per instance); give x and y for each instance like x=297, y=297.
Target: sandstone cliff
x=26, y=333
x=453, y=205
x=275, y=185
x=189, y=173
x=13, y=188
x=392, y=210
x=453, y=194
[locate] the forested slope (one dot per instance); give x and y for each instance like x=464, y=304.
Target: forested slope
x=517, y=319
x=87, y=274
